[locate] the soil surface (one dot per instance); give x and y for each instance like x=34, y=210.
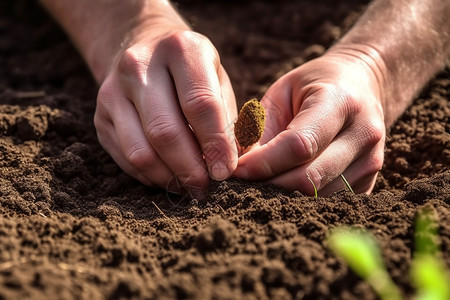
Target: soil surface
x=74, y=226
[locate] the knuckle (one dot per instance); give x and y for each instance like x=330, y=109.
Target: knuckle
x=374, y=131
x=162, y=132
x=105, y=93
x=140, y=156
x=132, y=64
x=189, y=46
x=303, y=145
x=373, y=164
x=200, y=100
x=346, y=100
x=102, y=134
x=349, y=105
x=98, y=120
x=186, y=40
x=376, y=162
x=105, y=98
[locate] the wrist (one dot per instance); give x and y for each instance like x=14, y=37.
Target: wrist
x=150, y=22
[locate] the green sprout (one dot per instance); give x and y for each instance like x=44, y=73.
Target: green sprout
x=360, y=251
x=428, y=273
x=314, y=186
x=315, y=189
x=347, y=184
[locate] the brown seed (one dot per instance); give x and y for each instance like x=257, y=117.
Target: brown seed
x=249, y=126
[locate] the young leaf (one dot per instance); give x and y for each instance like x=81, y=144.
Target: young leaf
x=428, y=272
x=430, y=278
x=360, y=251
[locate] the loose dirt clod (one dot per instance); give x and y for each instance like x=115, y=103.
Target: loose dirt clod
x=249, y=126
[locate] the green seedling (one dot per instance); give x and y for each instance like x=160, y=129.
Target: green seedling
x=360, y=251
x=314, y=186
x=347, y=184
x=428, y=272
x=343, y=179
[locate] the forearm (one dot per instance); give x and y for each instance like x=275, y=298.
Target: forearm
x=406, y=42
x=100, y=29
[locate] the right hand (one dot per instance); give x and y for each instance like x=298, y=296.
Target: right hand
x=164, y=111
x=324, y=118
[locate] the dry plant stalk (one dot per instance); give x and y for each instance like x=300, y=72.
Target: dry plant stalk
x=164, y=215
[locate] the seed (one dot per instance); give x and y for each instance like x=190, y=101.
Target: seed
x=249, y=126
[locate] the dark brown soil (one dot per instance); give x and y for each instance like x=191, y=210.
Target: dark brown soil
x=74, y=226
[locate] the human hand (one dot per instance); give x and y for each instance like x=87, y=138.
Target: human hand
x=164, y=110
x=323, y=119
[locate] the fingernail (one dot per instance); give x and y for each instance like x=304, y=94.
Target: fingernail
x=219, y=171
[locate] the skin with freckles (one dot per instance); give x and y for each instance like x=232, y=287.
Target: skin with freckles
x=163, y=92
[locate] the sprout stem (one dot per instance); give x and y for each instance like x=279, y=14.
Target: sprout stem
x=347, y=184
x=314, y=186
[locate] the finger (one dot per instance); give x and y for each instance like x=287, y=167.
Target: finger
x=120, y=132
x=228, y=96
x=278, y=109
x=110, y=142
x=166, y=128
x=361, y=175
x=360, y=150
x=201, y=93
x=322, y=116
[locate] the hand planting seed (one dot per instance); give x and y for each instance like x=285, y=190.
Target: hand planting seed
x=249, y=126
